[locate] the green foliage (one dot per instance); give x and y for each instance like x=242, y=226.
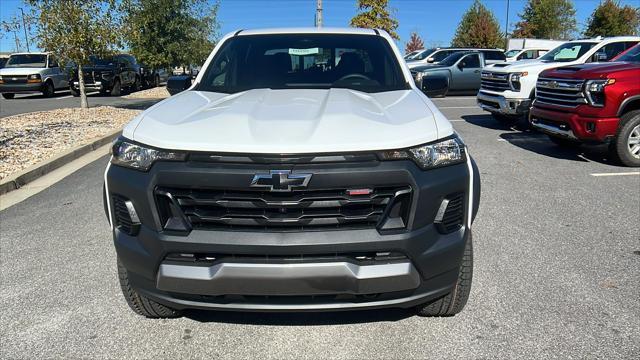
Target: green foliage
x=478, y=28
x=163, y=33
x=374, y=14
x=611, y=19
x=547, y=19
x=415, y=43
x=77, y=29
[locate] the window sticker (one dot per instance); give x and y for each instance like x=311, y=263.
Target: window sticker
x=302, y=52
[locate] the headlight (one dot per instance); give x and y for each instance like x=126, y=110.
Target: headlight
x=128, y=154
x=428, y=156
x=514, y=80
x=594, y=90
x=34, y=78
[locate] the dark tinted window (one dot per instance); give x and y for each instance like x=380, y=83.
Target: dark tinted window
x=471, y=61
x=315, y=61
x=612, y=50
x=632, y=55
x=440, y=55
x=494, y=55
x=452, y=59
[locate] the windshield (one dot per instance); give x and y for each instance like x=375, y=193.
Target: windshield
x=27, y=61
x=410, y=55
x=452, y=59
x=423, y=54
x=567, y=52
x=304, y=61
x=512, y=53
x=632, y=55
x=100, y=62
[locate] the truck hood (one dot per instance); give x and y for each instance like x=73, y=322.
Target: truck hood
x=592, y=70
x=531, y=66
x=288, y=121
x=20, y=71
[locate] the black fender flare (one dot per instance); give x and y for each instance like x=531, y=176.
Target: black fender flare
x=626, y=102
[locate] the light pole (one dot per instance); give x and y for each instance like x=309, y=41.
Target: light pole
x=506, y=29
x=24, y=27
x=318, y=13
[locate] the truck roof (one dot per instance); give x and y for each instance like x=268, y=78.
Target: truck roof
x=308, y=30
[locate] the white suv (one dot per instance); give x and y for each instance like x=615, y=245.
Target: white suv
x=507, y=90
x=303, y=170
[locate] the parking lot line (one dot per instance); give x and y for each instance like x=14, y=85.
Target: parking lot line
x=617, y=174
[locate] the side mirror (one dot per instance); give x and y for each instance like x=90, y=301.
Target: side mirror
x=600, y=56
x=431, y=60
x=179, y=83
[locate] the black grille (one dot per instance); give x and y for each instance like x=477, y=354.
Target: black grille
x=208, y=209
x=560, y=92
x=14, y=79
x=122, y=218
x=453, y=215
x=494, y=81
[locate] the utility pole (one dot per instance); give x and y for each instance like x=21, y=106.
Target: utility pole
x=318, y=13
x=506, y=30
x=24, y=27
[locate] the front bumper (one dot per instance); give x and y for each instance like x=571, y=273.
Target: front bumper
x=502, y=105
x=21, y=88
x=573, y=125
x=95, y=86
x=301, y=270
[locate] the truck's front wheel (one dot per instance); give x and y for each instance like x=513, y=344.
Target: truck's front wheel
x=626, y=146
x=455, y=301
x=140, y=304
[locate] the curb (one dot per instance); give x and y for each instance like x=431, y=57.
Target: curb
x=33, y=172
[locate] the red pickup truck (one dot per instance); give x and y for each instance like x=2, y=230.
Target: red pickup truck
x=593, y=103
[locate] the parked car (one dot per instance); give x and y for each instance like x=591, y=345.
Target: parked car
x=32, y=72
x=593, y=103
x=275, y=184
x=412, y=54
x=526, y=49
x=3, y=61
x=109, y=76
x=153, y=77
x=524, y=54
x=435, y=55
x=458, y=73
x=507, y=90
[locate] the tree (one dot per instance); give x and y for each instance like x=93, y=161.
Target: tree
x=374, y=14
x=162, y=33
x=478, y=28
x=547, y=19
x=414, y=43
x=612, y=19
x=74, y=30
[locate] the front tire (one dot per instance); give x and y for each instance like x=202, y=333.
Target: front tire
x=625, y=148
x=48, y=90
x=116, y=89
x=455, y=301
x=140, y=304
x=8, y=96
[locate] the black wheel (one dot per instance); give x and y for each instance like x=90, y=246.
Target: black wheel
x=116, y=89
x=156, y=81
x=136, y=85
x=48, y=90
x=8, y=95
x=455, y=301
x=562, y=142
x=625, y=148
x=75, y=92
x=140, y=304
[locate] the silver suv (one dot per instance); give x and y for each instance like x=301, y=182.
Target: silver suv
x=32, y=72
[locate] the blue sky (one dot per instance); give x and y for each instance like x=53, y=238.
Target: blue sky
x=434, y=20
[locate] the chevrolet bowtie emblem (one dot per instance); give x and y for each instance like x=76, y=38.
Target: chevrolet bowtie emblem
x=280, y=180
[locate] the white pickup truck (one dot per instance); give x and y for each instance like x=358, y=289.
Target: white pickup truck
x=507, y=90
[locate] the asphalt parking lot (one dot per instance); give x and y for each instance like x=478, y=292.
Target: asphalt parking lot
x=557, y=264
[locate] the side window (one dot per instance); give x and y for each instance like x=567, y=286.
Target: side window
x=131, y=59
x=609, y=51
x=494, y=55
x=440, y=55
x=53, y=63
x=471, y=61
